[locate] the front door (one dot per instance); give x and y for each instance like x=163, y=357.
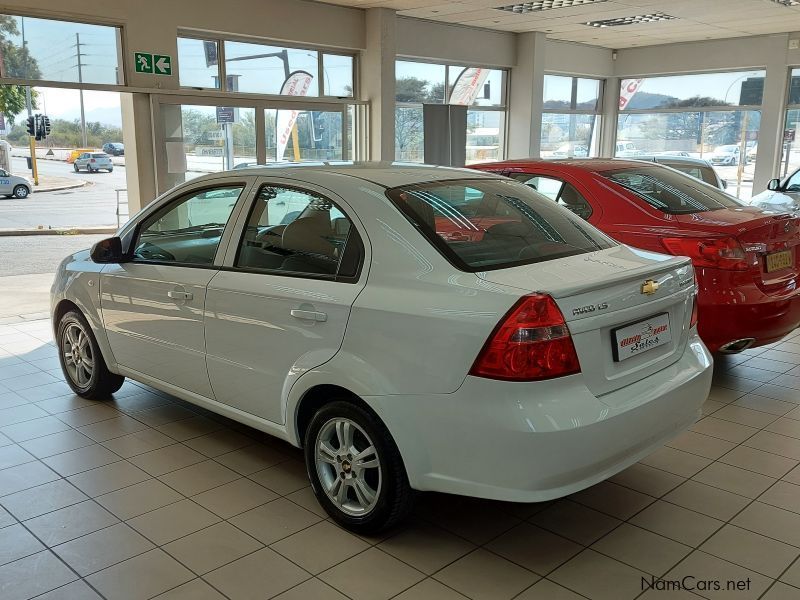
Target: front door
x=153, y=305
x=282, y=305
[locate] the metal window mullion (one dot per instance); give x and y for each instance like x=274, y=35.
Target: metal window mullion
x=261, y=136
x=222, y=72
x=321, y=71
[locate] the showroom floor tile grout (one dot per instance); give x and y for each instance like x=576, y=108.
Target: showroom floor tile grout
x=502, y=520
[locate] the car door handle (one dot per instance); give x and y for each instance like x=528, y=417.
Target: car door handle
x=176, y=295
x=308, y=314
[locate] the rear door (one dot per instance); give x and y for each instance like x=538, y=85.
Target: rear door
x=153, y=305
x=281, y=304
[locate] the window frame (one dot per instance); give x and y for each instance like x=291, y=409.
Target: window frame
x=121, y=52
x=503, y=107
x=597, y=112
x=222, y=68
x=132, y=236
x=310, y=190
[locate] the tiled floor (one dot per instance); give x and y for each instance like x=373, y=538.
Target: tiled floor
x=146, y=496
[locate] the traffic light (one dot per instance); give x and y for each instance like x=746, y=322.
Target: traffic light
x=31, y=126
x=44, y=127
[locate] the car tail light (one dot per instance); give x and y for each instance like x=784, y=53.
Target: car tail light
x=693, y=320
x=531, y=343
x=721, y=253
x=93, y=160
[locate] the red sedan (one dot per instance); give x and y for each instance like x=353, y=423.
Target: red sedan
x=745, y=259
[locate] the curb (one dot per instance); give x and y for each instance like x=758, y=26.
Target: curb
x=110, y=230
x=66, y=186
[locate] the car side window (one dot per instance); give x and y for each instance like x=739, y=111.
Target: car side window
x=562, y=192
x=187, y=231
x=300, y=232
x=793, y=185
x=3, y=173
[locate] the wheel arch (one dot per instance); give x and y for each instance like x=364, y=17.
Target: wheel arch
x=315, y=398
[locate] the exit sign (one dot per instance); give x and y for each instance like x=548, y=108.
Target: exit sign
x=157, y=64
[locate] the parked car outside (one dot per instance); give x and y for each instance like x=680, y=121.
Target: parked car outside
x=752, y=153
x=325, y=305
x=745, y=259
x=14, y=186
x=780, y=196
x=696, y=167
x=727, y=155
x=93, y=162
x=571, y=151
x=114, y=149
x=627, y=149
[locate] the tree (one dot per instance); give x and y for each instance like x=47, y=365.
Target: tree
x=408, y=126
x=17, y=62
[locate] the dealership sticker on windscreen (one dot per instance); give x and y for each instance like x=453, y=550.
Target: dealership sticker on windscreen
x=641, y=336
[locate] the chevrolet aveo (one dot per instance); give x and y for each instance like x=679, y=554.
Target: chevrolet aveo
x=527, y=358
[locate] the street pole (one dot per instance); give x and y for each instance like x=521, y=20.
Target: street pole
x=742, y=154
x=80, y=91
x=29, y=102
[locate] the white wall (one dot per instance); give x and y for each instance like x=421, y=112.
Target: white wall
x=578, y=59
x=430, y=40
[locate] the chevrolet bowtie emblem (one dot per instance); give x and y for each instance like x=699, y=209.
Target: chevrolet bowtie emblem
x=650, y=287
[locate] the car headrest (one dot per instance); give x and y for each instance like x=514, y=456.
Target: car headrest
x=309, y=235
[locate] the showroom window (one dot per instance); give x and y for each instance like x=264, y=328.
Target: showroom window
x=48, y=50
x=790, y=152
x=481, y=89
x=712, y=116
x=267, y=69
x=571, y=117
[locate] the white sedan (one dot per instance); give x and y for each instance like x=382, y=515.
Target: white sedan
x=412, y=328
x=14, y=186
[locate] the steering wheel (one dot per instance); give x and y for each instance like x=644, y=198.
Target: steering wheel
x=150, y=251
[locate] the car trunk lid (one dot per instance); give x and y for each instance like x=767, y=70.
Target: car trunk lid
x=611, y=297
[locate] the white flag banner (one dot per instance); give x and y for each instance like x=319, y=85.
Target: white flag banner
x=296, y=84
x=467, y=86
x=627, y=90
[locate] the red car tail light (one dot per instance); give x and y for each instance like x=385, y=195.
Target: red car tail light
x=693, y=321
x=93, y=160
x=532, y=342
x=720, y=253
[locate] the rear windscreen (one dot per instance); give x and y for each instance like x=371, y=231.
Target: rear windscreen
x=484, y=224
x=670, y=192
x=99, y=155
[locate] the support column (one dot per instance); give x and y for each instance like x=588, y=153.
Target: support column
x=770, y=136
x=378, y=81
x=608, y=119
x=137, y=134
x=526, y=96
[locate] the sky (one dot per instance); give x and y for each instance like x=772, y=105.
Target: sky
x=59, y=103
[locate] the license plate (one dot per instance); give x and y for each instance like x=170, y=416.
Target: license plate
x=642, y=336
x=779, y=260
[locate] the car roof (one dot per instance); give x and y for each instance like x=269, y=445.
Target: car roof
x=675, y=159
x=386, y=174
x=568, y=164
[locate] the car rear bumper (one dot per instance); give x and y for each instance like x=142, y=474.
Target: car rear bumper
x=530, y=442
x=728, y=312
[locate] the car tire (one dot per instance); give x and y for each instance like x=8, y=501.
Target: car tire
x=21, y=192
x=81, y=360
x=111, y=170
x=74, y=166
x=373, y=497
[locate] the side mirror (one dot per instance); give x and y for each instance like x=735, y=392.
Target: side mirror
x=774, y=185
x=724, y=184
x=108, y=251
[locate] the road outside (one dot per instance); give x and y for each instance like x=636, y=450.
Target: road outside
x=92, y=205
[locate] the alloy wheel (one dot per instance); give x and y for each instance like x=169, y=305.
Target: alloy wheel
x=348, y=466
x=77, y=353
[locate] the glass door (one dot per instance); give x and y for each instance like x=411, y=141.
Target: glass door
x=194, y=136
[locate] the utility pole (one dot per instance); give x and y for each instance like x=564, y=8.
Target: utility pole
x=80, y=91
x=29, y=101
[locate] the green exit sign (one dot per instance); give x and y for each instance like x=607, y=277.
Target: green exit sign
x=158, y=64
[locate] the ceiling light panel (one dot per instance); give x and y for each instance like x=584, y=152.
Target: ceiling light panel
x=636, y=20
x=523, y=8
